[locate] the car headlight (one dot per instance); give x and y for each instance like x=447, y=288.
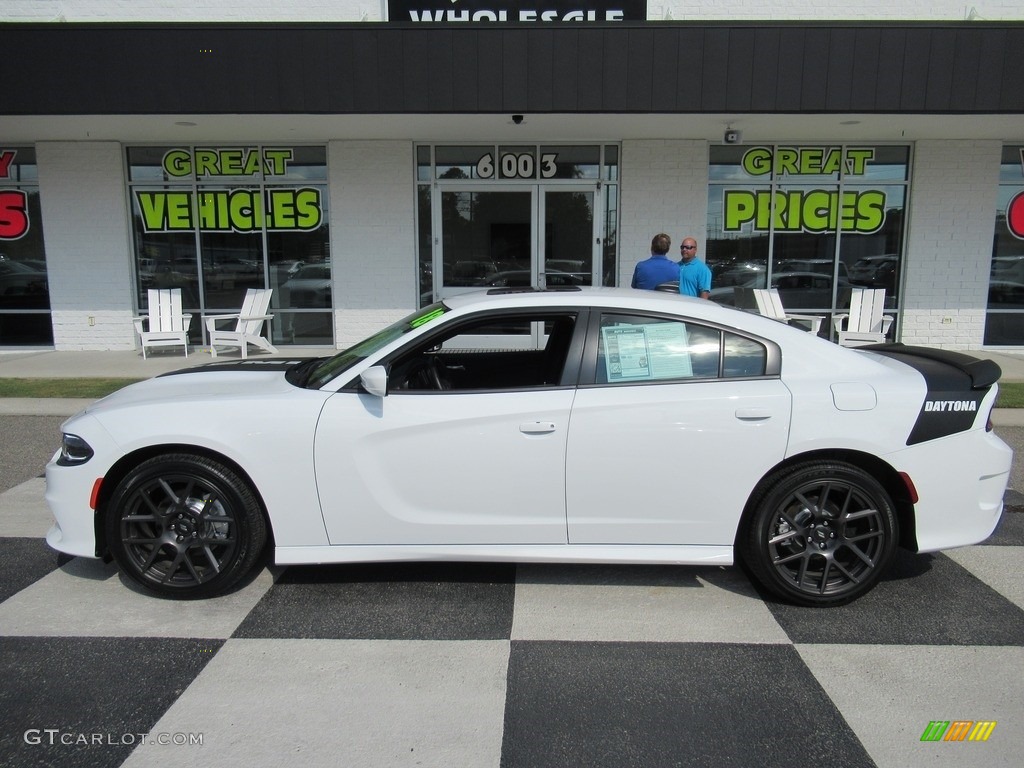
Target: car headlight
x=73, y=451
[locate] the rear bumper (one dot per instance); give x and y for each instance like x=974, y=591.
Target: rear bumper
x=961, y=481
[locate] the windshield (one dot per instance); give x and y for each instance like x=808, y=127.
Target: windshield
x=334, y=366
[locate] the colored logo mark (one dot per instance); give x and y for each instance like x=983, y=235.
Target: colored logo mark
x=958, y=730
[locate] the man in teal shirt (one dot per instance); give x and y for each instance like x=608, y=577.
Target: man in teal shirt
x=694, y=275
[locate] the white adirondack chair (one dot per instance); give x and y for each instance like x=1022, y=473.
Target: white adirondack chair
x=166, y=325
x=246, y=326
x=769, y=304
x=865, y=322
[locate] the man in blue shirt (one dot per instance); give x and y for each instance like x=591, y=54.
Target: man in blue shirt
x=650, y=273
x=694, y=274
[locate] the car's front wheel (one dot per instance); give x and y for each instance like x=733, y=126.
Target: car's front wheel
x=821, y=534
x=184, y=526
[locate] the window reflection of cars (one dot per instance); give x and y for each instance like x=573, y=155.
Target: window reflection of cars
x=798, y=290
x=22, y=287
x=520, y=278
x=310, y=287
x=876, y=272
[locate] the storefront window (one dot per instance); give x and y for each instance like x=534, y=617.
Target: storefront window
x=1004, y=322
x=812, y=221
x=24, y=287
x=216, y=221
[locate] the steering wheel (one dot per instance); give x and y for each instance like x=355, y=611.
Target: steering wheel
x=432, y=370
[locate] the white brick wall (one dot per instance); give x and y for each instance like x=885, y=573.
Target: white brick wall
x=373, y=236
x=949, y=243
x=374, y=10
x=85, y=221
x=664, y=189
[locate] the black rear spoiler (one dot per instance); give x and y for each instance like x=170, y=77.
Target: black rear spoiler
x=983, y=373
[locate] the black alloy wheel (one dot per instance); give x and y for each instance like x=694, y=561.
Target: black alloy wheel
x=822, y=534
x=184, y=526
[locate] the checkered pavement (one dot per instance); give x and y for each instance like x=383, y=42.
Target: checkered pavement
x=504, y=665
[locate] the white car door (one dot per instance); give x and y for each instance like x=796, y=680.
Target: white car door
x=668, y=442
x=444, y=468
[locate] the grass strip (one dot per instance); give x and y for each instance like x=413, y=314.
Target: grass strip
x=91, y=388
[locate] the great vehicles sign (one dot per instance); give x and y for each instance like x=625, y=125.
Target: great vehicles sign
x=240, y=209
x=515, y=11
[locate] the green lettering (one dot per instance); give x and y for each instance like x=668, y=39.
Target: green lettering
x=810, y=160
x=245, y=210
x=818, y=209
x=858, y=159
x=206, y=162
x=153, y=207
x=832, y=162
x=179, y=210
x=213, y=212
x=871, y=210
x=231, y=162
x=757, y=161
x=310, y=212
x=738, y=208
x=177, y=163
x=786, y=161
x=277, y=161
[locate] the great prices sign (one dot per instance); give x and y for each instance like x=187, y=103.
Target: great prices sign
x=242, y=209
x=14, y=221
x=805, y=208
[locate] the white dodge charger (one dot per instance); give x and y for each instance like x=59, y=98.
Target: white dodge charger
x=574, y=425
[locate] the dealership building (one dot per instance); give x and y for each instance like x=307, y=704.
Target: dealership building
x=363, y=159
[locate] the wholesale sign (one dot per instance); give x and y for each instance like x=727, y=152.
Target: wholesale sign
x=513, y=12
x=242, y=209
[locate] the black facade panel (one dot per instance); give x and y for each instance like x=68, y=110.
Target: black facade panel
x=766, y=52
x=866, y=70
x=690, y=44
x=739, y=89
x=842, y=56
x=589, y=82
x=540, y=71
x=715, y=71
x=889, y=84
x=789, y=69
x=566, y=75
x=72, y=69
x=817, y=67
x=490, y=55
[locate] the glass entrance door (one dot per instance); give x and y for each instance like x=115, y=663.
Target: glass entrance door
x=540, y=236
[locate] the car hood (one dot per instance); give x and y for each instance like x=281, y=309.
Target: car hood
x=236, y=380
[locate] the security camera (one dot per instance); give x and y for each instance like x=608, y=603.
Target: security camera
x=517, y=119
x=732, y=137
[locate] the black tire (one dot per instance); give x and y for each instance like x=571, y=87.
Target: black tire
x=185, y=527
x=820, y=534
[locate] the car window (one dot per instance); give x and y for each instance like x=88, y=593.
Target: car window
x=637, y=348
x=522, y=350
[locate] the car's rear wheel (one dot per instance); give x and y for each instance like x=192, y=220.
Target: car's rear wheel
x=820, y=534
x=185, y=526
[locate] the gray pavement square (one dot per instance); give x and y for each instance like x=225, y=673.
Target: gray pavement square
x=666, y=704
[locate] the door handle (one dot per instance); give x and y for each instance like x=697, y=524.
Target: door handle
x=537, y=427
x=753, y=414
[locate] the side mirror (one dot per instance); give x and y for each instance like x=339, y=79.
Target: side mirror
x=375, y=380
